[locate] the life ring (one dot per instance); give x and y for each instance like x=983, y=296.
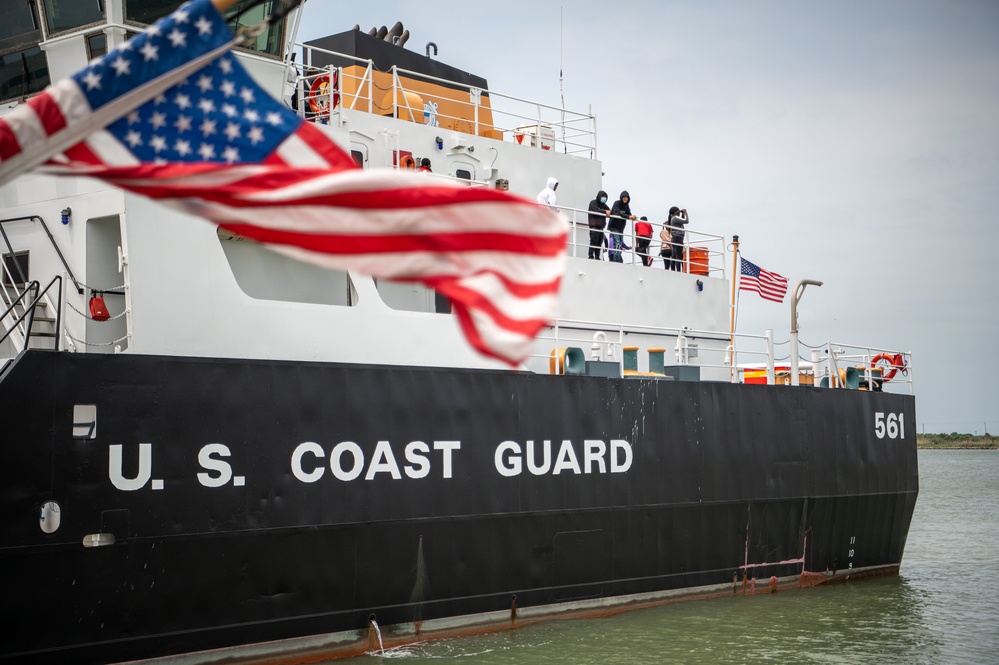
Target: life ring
x=895, y=362
x=324, y=94
x=407, y=162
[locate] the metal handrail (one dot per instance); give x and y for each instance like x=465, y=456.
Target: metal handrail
x=13, y=303
x=701, y=236
x=559, y=328
x=29, y=311
x=55, y=245
x=475, y=93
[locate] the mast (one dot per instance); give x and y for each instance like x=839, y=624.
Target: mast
x=731, y=314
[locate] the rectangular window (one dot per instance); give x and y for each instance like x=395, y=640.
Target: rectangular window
x=269, y=41
x=63, y=15
x=18, y=24
x=149, y=11
x=97, y=45
x=23, y=73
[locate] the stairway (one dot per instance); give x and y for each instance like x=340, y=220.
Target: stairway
x=43, y=329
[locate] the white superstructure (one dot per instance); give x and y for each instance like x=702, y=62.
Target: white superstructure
x=178, y=287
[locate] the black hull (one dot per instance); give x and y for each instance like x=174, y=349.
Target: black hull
x=691, y=484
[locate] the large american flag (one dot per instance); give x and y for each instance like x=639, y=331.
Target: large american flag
x=217, y=146
x=769, y=285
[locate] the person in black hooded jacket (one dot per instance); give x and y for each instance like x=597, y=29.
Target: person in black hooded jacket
x=620, y=214
x=597, y=220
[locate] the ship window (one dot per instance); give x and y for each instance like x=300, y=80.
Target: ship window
x=442, y=303
x=269, y=41
x=23, y=73
x=68, y=14
x=84, y=421
x=16, y=268
x=412, y=297
x=18, y=24
x=463, y=174
x=264, y=274
x=358, y=157
x=97, y=45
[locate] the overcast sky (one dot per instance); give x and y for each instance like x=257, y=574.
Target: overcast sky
x=855, y=143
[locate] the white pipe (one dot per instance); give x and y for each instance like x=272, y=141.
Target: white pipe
x=769, y=335
x=799, y=290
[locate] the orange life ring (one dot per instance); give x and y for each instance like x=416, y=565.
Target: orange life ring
x=407, y=162
x=895, y=362
x=324, y=94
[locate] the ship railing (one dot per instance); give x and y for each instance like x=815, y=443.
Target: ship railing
x=516, y=119
x=7, y=279
x=23, y=323
x=702, y=253
x=865, y=361
x=712, y=351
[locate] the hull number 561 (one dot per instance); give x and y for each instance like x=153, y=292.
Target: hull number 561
x=891, y=425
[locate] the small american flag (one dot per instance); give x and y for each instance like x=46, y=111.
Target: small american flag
x=217, y=146
x=769, y=285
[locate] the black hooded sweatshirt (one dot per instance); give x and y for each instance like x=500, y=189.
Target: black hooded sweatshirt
x=598, y=221
x=622, y=210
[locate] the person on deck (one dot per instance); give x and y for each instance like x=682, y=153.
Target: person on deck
x=620, y=214
x=547, y=196
x=677, y=220
x=597, y=221
x=643, y=238
x=424, y=166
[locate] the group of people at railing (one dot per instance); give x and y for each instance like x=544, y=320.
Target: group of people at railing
x=615, y=218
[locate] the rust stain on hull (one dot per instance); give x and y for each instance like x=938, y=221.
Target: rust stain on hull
x=289, y=653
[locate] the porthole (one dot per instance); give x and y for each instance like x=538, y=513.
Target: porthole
x=50, y=516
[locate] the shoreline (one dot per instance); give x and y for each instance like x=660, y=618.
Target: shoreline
x=956, y=442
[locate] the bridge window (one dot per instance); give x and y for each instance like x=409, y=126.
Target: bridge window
x=18, y=25
x=63, y=15
x=23, y=73
x=269, y=41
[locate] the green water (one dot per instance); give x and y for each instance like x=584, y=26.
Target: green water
x=942, y=608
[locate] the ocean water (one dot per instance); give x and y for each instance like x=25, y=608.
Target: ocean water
x=943, y=607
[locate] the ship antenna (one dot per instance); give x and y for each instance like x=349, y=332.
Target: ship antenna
x=561, y=80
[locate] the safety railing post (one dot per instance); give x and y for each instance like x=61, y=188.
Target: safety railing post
x=769, y=335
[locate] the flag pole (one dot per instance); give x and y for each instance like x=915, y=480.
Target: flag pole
x=731, y=314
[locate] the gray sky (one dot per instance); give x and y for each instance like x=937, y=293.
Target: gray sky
x=855, y=143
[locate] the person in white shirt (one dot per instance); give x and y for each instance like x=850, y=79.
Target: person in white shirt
x=547, y=195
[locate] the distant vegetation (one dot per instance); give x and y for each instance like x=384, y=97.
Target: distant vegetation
x=956, y=440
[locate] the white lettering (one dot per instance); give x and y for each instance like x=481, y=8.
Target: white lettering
x=296, y=462
x=546, y=465
x=116, y=475
x=566, y=459
x=448, y=447
x=383, y=462
x=595, y=451
x=512, y=466
x=209, y=463
x=413, y=456
x=625, y=447
x=338, y=451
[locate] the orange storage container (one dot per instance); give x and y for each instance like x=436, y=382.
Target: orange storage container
x=698, y=261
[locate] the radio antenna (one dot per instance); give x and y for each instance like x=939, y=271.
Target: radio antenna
x=561, y=80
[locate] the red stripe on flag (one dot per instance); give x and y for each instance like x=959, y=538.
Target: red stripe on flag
x=347, y=245
x=318, y=140
x=48, y=112
x=8, y=141
x=475, y=300
x=170, y=178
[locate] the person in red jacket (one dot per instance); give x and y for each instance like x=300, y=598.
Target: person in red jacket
x=643, y=236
